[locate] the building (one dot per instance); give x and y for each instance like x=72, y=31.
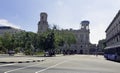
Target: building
x=113, y=31
x=82, y=35
x=101, y=45
x=82, y=38
x=93, y=49
x=43, y=24
x=8, y=29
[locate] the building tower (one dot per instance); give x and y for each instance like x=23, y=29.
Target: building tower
x=84, y=37
x=85, y=30
x=85, y=25
x=43, y=24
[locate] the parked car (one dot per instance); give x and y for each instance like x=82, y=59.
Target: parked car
x=11, y=52
x=49, y=53
x=46, y=54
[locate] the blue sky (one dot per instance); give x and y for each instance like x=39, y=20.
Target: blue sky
x=66, y=14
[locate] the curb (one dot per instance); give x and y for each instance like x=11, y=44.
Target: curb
x=25, y=61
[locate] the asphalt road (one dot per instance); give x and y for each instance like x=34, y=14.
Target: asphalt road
x=64, y=64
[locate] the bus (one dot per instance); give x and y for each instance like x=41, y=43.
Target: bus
x=112, y=53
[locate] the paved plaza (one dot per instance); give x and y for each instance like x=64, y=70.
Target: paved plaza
x=64, y=64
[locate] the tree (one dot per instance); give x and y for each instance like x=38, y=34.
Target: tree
x=7, y=41
x=2, y=49
x=63, y=37
x=29, y=42
x=49, y=42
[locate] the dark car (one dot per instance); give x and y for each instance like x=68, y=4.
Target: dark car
x=11, y=52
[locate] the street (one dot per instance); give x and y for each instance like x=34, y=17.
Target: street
x=64, y=64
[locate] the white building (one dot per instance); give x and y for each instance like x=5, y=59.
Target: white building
x=8, y=29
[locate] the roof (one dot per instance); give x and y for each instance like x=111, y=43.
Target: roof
x=117, y=15
x=5, y=27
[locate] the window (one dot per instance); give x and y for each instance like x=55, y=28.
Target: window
x=117, y=38
x=81, y=36
x=81, y=41
x=81, y=46
x=42, y=17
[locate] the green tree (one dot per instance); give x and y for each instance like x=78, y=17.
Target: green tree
x=7, y=41
x=29, y=42
x=2, y=49
x=64, y=37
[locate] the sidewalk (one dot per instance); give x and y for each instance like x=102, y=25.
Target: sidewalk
x=98, y=56
x=20, y=59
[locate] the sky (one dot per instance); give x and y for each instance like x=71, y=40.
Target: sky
x=25, y=14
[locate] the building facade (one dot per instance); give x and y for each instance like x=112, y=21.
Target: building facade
x=82, y=35
x=113, y=31
x=8, y=29
x=82, y=44
x=101, y=45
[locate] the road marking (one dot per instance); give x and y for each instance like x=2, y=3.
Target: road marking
x=24, y=67
x=51, y=67
x=7, y=65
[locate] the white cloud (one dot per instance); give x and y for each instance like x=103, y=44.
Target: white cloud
x=4, y=22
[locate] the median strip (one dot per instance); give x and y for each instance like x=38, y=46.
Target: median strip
x=21, y=59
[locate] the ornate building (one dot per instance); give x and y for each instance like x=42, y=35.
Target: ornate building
x=82, y=35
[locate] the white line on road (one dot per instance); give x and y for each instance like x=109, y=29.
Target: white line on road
x=24, y=67
x=51, y=66
x=7, y=65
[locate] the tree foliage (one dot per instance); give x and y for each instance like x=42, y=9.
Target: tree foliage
x=29, y=42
